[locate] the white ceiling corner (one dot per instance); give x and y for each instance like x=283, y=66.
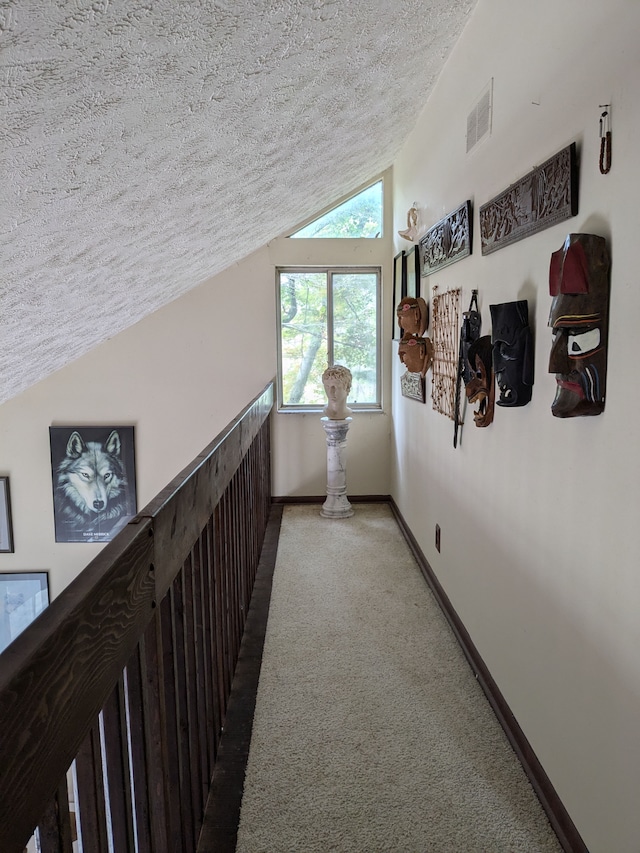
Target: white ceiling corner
x=146, y=145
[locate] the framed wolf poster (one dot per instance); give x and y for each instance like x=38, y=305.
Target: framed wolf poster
x=94, y=483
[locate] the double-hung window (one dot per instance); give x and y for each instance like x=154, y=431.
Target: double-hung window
x=327, y=316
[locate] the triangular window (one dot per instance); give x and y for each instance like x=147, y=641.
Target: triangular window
x=360, y=216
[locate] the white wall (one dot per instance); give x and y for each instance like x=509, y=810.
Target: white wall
x=179, y=377
x=299, y=442
x=539, y=548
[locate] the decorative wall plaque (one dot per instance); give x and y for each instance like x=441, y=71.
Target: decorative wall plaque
x=447, y=241
x=547, y=195
x=412, y=386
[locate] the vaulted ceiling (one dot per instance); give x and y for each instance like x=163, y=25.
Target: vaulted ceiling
x=147, y=145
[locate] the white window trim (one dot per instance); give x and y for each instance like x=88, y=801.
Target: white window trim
x=288, y=408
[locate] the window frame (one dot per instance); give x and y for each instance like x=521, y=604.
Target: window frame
x=329, y=270
x=294, y=235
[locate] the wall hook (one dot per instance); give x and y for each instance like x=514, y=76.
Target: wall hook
x=605, y=139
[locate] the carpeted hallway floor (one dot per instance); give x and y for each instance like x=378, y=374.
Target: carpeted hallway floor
x=371, y=733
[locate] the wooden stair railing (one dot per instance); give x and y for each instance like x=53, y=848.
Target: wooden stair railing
x=121, y=684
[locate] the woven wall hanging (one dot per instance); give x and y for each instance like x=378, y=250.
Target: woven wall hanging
x=445, y=313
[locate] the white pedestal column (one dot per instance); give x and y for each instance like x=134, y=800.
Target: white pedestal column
x=337, y=504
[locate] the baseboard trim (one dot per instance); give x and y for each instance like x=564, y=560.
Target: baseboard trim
x=320, y=499
x=559, y=818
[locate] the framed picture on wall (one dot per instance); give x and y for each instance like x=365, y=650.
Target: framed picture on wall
x=399, y=289
x=6, y=527
x=94, y=481
x=23, y=596
x=413, y=272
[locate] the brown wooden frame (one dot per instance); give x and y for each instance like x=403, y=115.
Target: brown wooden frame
x=399, y=289
x=6, y=544
x=128, y=671
x=412, y=262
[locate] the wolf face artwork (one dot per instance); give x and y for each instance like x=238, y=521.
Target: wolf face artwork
x=94, y=496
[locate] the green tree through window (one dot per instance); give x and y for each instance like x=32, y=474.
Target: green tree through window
x=359, y=216
x=328, y=317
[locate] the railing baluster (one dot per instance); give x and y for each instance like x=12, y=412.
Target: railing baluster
x=191, y=689
x=90, y=808
x=201, y=673
x=224, y=593
x=134, y=692
x=156, y=740
x=233, y=567
x=248, y=540
x=233, y=570
x=182, y=710
x=172, y=785
x=242, y=551
x=54, y=829
x=116, y=760
x=218, y=611
x=214, y=715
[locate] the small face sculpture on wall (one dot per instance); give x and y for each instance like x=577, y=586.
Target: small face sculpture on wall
x=416, y=354
x=337, y=384
x=579, y=318
x=512, y=352
x=481, y=387
x=413, y=315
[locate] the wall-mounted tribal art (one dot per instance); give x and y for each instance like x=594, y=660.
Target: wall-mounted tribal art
x=447, y=241
x=413, y=385
x=547, y=195
x=445, y=314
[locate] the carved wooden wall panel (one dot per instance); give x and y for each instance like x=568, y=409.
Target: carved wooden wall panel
x=447, y=241
x=545, y=196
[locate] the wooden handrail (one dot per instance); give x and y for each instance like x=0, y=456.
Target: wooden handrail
x=178, y=519
x=128, y=671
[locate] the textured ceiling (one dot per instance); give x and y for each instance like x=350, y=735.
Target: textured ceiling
x=148, y=144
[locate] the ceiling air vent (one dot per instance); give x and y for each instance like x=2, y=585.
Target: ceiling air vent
x=479, y=119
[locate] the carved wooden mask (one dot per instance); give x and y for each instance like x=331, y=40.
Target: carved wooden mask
x=481, y=387
x=416, y=354
x=413, y=315
x=512, y=352
x=579, y=317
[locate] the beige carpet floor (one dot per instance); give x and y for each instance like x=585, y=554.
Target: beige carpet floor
x=371, y=733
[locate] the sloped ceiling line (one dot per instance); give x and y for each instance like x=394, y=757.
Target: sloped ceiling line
x=147, y=145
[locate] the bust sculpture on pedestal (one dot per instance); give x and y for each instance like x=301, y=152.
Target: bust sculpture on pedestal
x=337, y=384
x=336, y=422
